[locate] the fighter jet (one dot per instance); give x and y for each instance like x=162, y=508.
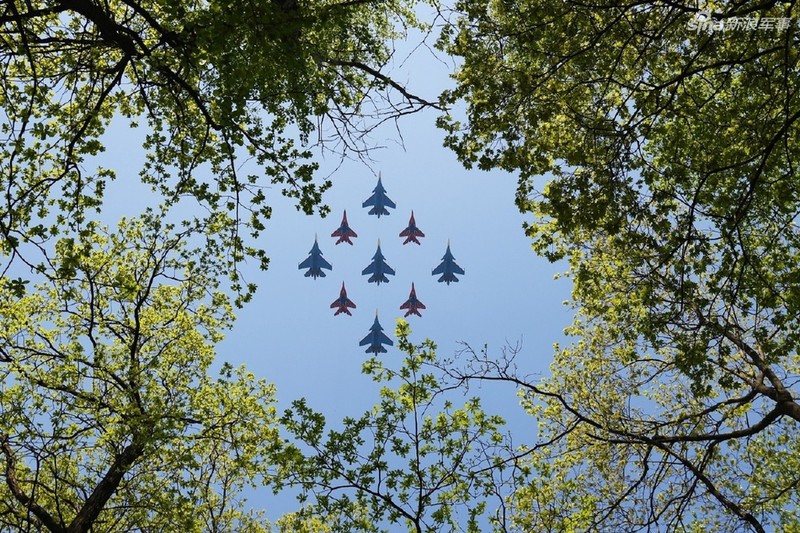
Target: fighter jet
x=344, y=232
x=412, y=304
x=412, y=231
x=378, y=268
x=342, y=303
x=315, y=262
x=375, y=339
x=448, y=267
x=379, y=201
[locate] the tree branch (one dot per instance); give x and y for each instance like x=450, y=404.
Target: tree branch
x=85, y=518
x=384, y=78
x=13, y=485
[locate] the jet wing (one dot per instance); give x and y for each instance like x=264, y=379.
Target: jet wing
x=366, y=340
x=306, y=263
x=388, y=203
x=388, y=270
x=438, y=270
x=369, y=270
x=411, y=232
x=375, y=340
x=344, y=232
x=370, y=201
x=457, y=269
x=326, y=265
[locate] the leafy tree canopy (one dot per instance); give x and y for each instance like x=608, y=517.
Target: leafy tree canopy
x=415, y=462
x=109, y=419
x=214, y=83
x=672, y=155
x=658, y=157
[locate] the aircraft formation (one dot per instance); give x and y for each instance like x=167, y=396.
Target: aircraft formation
x=378, y=269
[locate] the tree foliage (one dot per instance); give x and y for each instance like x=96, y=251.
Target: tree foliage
x=109, y=420
x=659, y=159
x=215, y=83
x=109, y=417
x=629, y=447
x=656, y=158
x=414, y=461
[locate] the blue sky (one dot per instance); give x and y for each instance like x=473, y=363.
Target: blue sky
x=288, y=334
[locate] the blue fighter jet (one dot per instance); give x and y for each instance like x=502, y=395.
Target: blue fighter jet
x=378, y=268
x=375, y=339
x=378, y=201
x=448, y=267
x=412, y=231
x=344, y=232
x=315, y=262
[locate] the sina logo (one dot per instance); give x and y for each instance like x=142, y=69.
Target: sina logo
x=703, y=20
x=703, y=15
